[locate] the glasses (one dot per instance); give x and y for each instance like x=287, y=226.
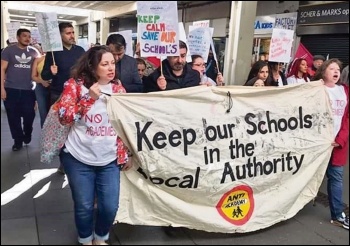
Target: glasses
x=199, y=64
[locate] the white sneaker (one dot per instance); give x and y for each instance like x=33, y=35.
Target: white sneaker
x=99, y=242
x=342, y=221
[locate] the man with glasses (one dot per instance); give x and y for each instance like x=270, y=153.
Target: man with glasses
x=177, y=74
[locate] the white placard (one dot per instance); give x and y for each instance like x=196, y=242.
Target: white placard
x=36, y=39
x=182, y=37
x=157, y=22
x=202, y=23
x=49, y=32
x=286, y=21
x=281, y=45
x=12, y=29
x=199, y=40
x=83, y=42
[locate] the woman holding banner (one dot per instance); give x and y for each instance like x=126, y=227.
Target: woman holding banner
x=93, y=155
x=339, y=97
x=199, y=65
x=258, y=74
x=298, y=72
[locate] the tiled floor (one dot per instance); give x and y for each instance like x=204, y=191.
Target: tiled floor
x=36, y=208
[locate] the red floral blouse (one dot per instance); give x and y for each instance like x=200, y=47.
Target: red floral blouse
x=73, y=106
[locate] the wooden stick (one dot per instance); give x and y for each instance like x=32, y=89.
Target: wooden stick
x=53, y=58
x=217, y=66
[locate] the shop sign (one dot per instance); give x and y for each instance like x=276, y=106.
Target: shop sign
x=264, y=24
x=286, y=21
x=324, y=13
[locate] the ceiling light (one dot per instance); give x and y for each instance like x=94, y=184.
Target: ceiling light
x=30, y=14
x=61, y=17
x=25, y=19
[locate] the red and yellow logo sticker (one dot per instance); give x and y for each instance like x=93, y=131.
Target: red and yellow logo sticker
x=237, y=205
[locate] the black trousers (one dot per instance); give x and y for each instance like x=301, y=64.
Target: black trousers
x=20, y=104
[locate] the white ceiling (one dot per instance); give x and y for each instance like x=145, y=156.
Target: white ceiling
x=92, y=5
x=24, y=13
x=27, y=17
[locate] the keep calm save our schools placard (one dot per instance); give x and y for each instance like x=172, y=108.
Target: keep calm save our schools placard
x=158, y=24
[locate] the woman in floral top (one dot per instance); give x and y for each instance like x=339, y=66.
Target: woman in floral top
x=93, y=154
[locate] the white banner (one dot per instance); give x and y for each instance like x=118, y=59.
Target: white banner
x=222, y=159
x=157, y=23
x=49, y=32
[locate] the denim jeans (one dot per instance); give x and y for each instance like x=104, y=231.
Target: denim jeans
x=42, y=97
x=85, y=181
x=335, y=190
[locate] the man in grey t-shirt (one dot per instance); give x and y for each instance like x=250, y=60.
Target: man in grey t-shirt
x=16, y=88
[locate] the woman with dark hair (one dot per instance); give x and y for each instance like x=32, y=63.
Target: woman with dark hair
x=338, y=93
x=258, y=74
x=198, y=64
x=298, y=72
x=89, y=154
x=276, y=77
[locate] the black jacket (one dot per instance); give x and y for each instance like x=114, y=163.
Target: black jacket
x=64, y=60
x=188, y=78
x=126, y=70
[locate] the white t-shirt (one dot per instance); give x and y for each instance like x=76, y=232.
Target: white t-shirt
x=92, y=140
x=294, y=80
x=279, y=80
x=338, y=101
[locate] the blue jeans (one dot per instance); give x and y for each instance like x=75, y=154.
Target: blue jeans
x=85, y=181
x=335, y=190
x=42, y=97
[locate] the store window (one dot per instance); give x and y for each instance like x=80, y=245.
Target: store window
x=219, y=44
x=83, y=31
x=261, y=49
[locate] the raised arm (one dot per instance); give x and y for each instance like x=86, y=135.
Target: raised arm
x=72, y=105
